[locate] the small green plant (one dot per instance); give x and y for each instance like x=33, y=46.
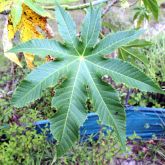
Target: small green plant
x=101, y=151
x=156, y=56
x=152, y=6
x=76, y=75
x=20, y=146
x=141, y=14
x=144, y=9
x=155, y=69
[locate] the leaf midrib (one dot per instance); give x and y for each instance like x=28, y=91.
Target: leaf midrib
x=31, y=48
x=75, y=80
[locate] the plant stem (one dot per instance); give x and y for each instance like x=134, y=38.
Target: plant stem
x=54, y=160
x=77, y=7
x=128, y=96
x=109, y=6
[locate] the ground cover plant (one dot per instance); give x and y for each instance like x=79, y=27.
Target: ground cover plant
x=76, y=73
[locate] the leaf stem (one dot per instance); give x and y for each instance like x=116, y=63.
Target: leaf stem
x=76, y=7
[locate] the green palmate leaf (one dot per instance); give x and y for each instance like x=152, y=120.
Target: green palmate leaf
x=91, y=27
x=42, y=48
x=79, y=76
x=16, y=12
x=152, y=5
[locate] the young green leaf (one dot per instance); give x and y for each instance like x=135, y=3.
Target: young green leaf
x=125, y=52
x=132, y=53
x=141, y=14
x=75, y=73
x=152, y=5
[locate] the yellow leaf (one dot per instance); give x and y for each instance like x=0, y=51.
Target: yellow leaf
x=29, y=60
x=31, y=26
x=11, y=32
